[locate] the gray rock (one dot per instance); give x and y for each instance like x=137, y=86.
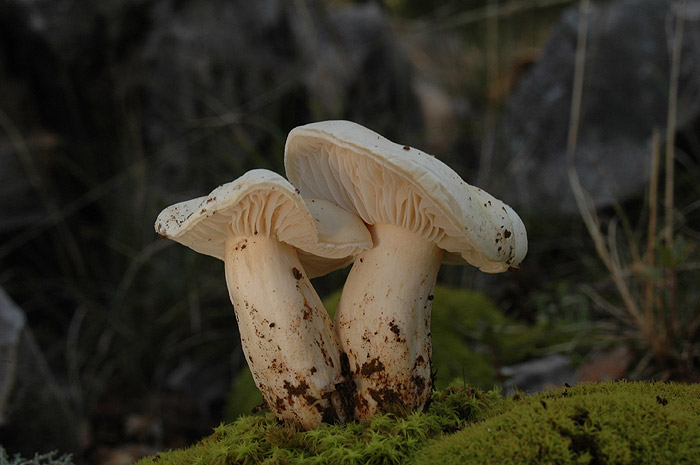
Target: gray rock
x=12, y=322
x=204, y=90
x=539, y=374
x=241, y=74
x=33, y=411
x=625, y=97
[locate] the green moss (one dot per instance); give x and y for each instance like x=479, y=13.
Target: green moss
x=243, y=397
x=609, y=423
x=331, y=303
x=472, y=338
x=463, y=327
x=387, y=439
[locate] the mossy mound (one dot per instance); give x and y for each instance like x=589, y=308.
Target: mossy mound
x=608, y=423
x=386, y=439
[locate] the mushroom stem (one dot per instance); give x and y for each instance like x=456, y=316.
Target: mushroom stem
x=383, y=321
x=286, y=334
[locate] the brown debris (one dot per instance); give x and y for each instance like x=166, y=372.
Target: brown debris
x=395, y=329
x=370, y=368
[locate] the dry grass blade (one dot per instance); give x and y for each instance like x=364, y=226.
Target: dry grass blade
x=649, y=258
x=649, y=291
x=670, y=158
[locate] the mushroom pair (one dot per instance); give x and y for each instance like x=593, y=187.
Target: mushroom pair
x=398, y=212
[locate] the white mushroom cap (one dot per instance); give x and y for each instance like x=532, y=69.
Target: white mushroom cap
x=388, y=183
x=326, y=236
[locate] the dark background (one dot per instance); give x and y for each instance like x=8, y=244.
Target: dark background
x=110, y=111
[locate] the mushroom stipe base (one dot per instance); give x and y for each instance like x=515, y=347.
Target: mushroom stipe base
x=383, y=320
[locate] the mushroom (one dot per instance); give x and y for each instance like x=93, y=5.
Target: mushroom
x=271, y=243
x=420, y=214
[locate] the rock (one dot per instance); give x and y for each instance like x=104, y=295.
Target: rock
x=239, y=75
x=34, y=414
x=356, y=68
x=625, y=97
x=539, y=374
x=439, y=59
x=203, y=89
x=12, y=322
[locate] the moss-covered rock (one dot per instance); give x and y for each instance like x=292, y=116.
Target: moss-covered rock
x=609, y=423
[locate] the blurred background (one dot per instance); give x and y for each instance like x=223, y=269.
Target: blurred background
x=585, y=117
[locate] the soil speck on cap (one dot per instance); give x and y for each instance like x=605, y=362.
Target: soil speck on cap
x=506, y=234
x=296, y=273
x=406, y=147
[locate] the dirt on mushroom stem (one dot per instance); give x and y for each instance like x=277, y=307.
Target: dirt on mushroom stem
x=383, y=321
x=286, y=333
